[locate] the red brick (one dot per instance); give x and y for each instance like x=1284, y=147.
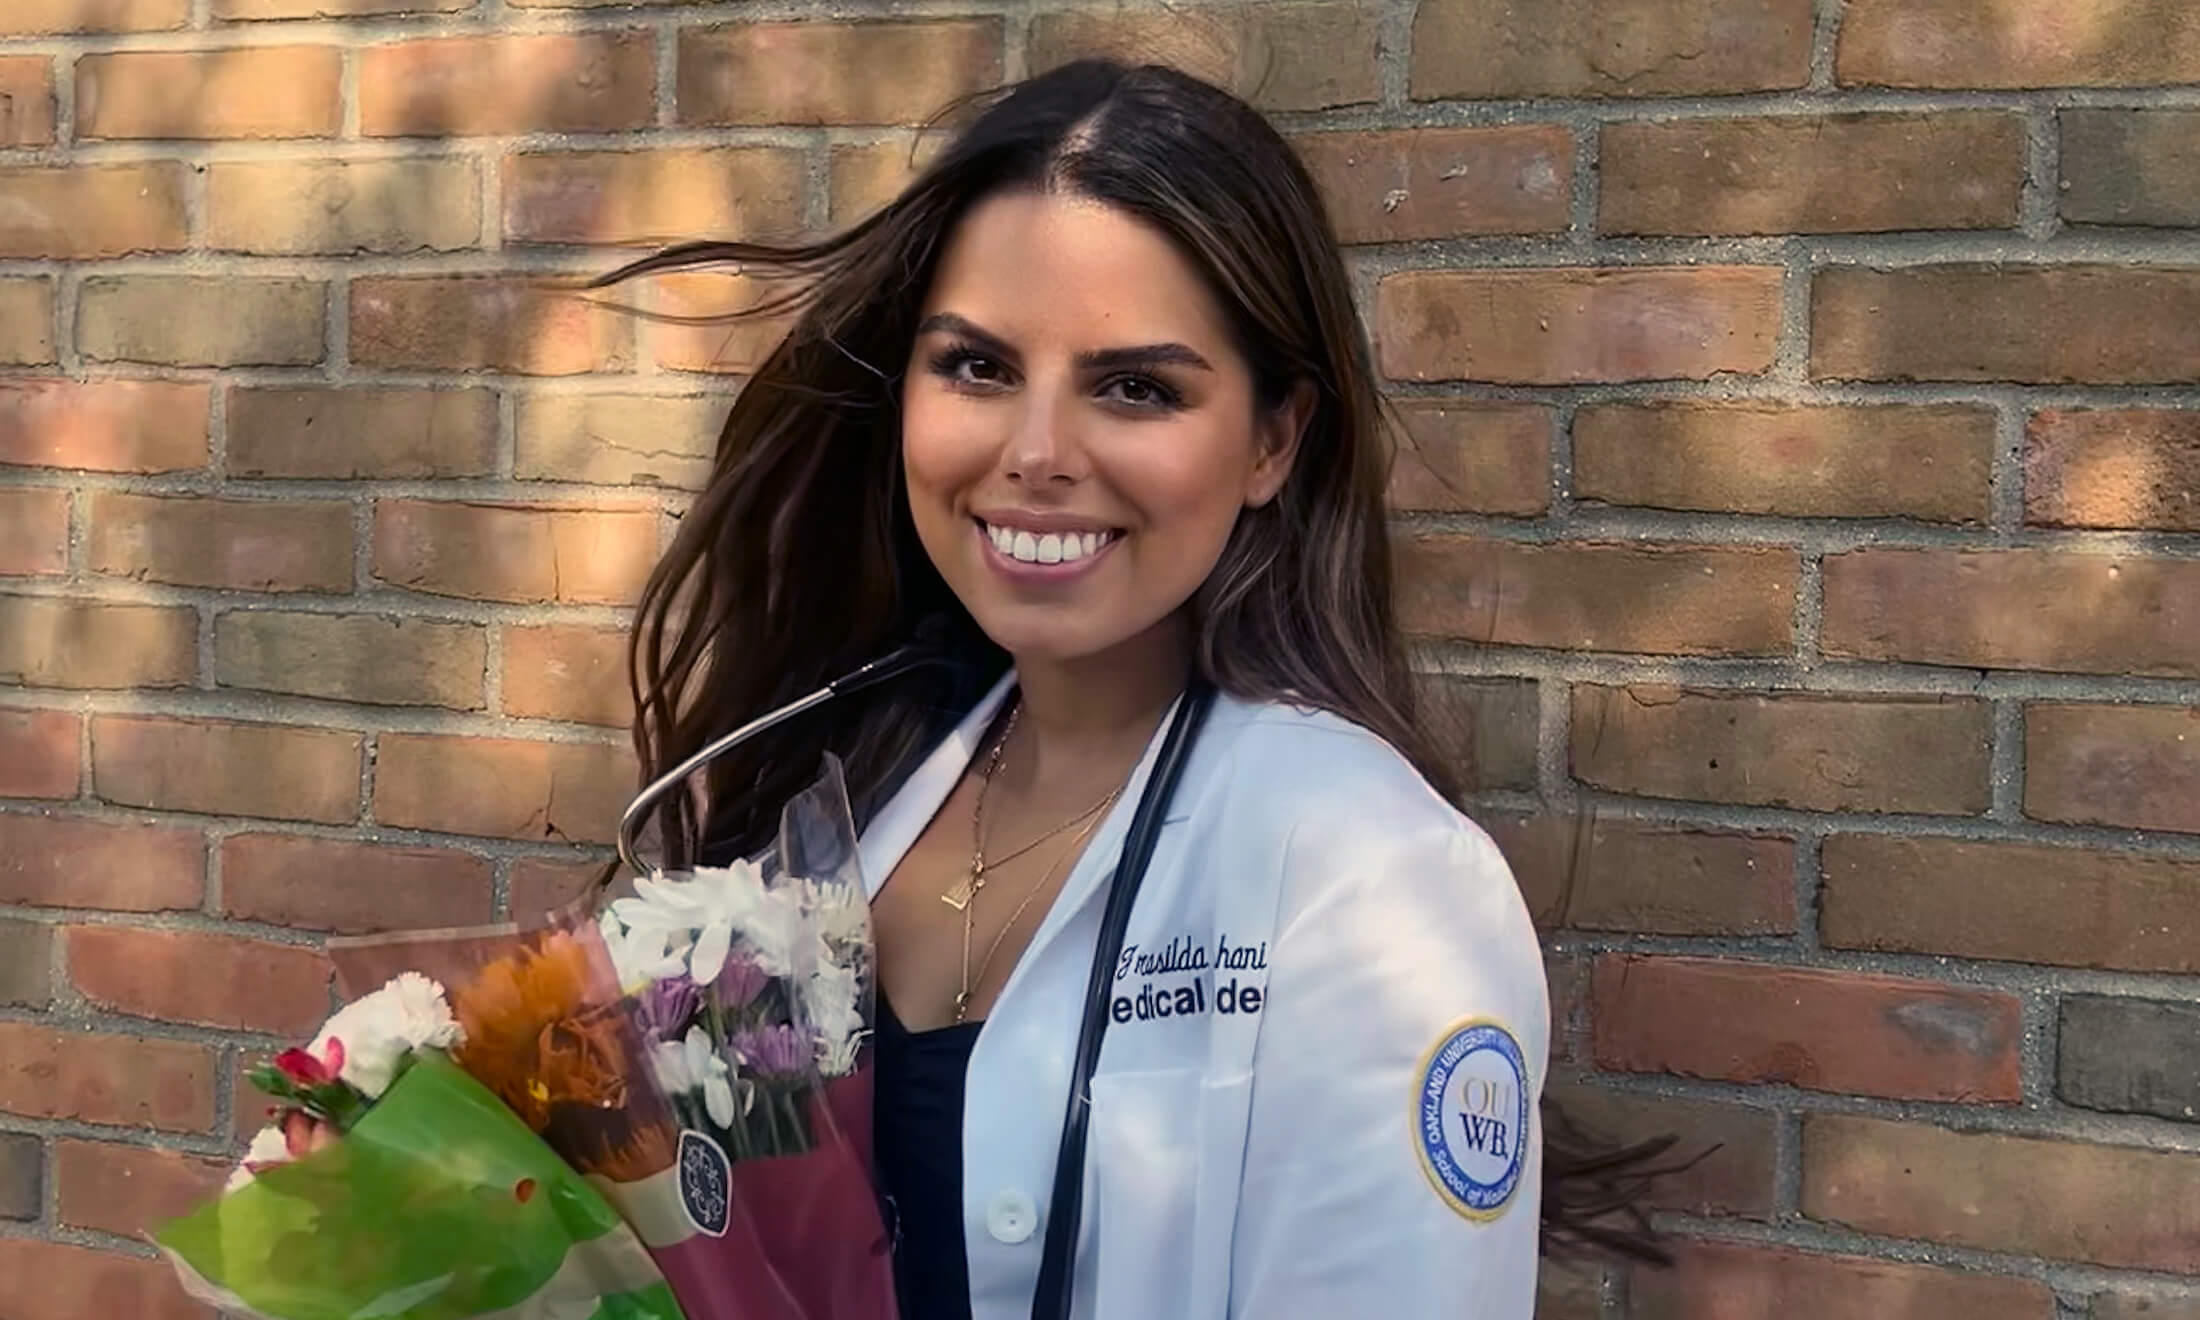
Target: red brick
x=735, y=346
x=1567, y=979
x=1879, y=753
x=105, y=426
x=619, y=439
x=865, y=178
x=84, y=212
x=543, y=326
x=1734, y=1281
x=225, y=769
x=1812, y=174
x=1462, y=455
x=2013, y=902
x=266, y=9
x=76, y=1282
x=831, y=73
x=121, y=1080
x=1654, y=879
x=1487, y=728
x=50, y=641
x=502, y=787
x=1399, y=185
x=664, y=196
x=539, y=886
x=26, y=981
x=38, y=753
x=243, y=545
x=69, y=17
x=206, y=980
x=1823, y=1031
x=515, y=553
x=1734, y=1148
x=2146, y=1304
x=1567, y=1290
x=2130, y=167
x=2064, y=1200
x=1930, y=461
x=34, y=531
x=167, y=320
x=2135, y=766
x=26, y=319
x=563, y=671
x=353, y=432
x=56, y=861
x=339, y=885
x=1279, y=56
x=245, y=92
x=2014, y=609
x=2113, y=467
x=130, y=1190
x=1501, y=49
x=1578, y=325
x=2018, y=43
x=343, y=206
x=1693, y=600
x=26, y=100
x=2104, y=325
x=596, y=82
x=353, y=657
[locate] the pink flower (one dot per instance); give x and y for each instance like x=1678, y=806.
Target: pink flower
x=303, y=1068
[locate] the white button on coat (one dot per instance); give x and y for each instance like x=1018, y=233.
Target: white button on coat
x=1322, y=947
x=1011, y=1218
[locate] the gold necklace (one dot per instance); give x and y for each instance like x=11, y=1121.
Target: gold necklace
x=964, y=892
x=969, y=981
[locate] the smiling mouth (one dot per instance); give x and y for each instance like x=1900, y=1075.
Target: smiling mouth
x=1026, y=547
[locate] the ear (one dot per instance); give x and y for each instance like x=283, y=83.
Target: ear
x=1277, y=432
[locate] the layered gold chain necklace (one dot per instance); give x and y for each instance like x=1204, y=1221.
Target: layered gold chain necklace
x=963, y=894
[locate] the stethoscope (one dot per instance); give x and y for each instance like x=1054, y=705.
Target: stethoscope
x=1051, y=1300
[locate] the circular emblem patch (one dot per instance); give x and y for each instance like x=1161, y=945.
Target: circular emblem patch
x=706, y=1183
x=1470, y=1116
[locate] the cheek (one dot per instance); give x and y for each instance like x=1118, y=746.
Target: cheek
x=942, y=450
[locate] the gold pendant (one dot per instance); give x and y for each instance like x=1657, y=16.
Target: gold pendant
x=962, y=891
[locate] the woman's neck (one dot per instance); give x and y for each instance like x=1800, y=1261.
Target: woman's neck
x=1091, y=717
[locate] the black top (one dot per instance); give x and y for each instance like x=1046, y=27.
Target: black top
x=917, y=1126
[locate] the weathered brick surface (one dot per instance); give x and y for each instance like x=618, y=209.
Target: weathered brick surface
x=26, y=981
x=1591, y=873
x=242, y=92
x=1826, y=174
x=1823, y=1031
x=202, y=321
x=539, y=327
x=34, y=532
x=515, y=553
x=653, y=197
x=1812, y=461
x=362, y=432
x=26, y=322
x=38, y=753
x=2135, y=766
x=129, y=1190
x=105, y=1078
x=1908, y=754
x=104, y=426
x=2018, y=43
x=334, y=885
x=85, y=212
x=353, y=657
x=207, y=980
x=51, y=641
x=1491, y=48
x=2012, y=902
x=2101, y=325
x=258, y=545
x=598, y=82
x=1687, y=599
x=1284, y=56
x=26, y=101
x=1736, y=1281
x=2129, y=1056
x=57, y=861
x=502, y=787
x=80, y=1281
x=560, y=671
x=1487, y=726
x=1442, y=182
x=2064, y=1200
x=1732, y=1146
x=1472, y=457
x=343, y=206
x=619, y=439
x=1568, y=327
x=40, y=17
x=226, y=768
x=830, y=73
x=2131, y=167
x=2113, y=467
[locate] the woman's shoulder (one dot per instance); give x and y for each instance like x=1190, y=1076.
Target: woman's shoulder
x=1319, y=774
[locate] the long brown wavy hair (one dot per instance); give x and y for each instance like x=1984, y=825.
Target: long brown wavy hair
x=798, y=561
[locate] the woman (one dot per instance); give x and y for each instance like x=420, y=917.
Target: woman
x=1093, y=391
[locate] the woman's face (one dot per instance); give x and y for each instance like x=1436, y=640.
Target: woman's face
x=1078, y=433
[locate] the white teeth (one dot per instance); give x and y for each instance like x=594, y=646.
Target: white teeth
x=1051, y=548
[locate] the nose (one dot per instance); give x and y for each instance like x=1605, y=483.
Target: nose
x=1044, y=449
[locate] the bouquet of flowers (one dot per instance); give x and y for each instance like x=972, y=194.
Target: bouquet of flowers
x=695, y=1052
x=393, y=1183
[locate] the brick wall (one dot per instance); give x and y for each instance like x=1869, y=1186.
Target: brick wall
x=1806, y=504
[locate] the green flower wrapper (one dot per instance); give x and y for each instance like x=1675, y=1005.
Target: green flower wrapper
x=439, y=1204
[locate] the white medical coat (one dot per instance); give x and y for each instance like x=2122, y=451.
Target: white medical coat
x=1318, y=1091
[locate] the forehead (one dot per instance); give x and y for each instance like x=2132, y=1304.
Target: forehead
x=1053, y=268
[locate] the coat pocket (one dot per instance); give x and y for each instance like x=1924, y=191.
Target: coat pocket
x=1165, y=1193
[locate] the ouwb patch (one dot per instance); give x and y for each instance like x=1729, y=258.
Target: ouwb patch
x=1470, y=1116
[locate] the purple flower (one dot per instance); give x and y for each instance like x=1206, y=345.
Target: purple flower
x=666, y=1007
x=739, y=983
x=774, y=1051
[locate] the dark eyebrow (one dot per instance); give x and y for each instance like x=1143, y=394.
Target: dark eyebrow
x=1141, y=355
